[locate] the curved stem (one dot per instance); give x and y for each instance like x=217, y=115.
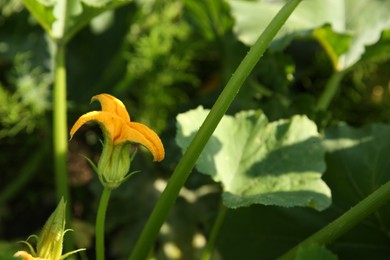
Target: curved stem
x=208, y=251
x=101, y=216
x=346, y=221
x=187, y=162
x=330, y=91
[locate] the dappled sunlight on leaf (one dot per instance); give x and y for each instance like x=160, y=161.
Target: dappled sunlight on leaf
x=257, y=162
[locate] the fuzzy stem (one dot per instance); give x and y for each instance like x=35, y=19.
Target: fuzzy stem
x=346, y=221
x=187, y=162
x=100, y=220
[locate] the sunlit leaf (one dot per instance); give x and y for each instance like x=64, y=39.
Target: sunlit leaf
x=380, y=51
x=335, y=44
x=258, y=162
x=357, y=164
x=362, y=20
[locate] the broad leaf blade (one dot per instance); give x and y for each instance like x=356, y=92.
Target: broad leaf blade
x=358, y=161
x=90, y=10
x=361, y=20
x=335, y=44
x=42, y=13
x=252, y=17
x=258, y=162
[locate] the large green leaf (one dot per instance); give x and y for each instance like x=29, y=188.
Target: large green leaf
x=357, y=162
x=258, y=162
x=358, y=21
x=63, y=18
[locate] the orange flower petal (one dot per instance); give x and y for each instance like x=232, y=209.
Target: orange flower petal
x=120, y=131
x=82, y=120
x=113, y=105
x=153, y=142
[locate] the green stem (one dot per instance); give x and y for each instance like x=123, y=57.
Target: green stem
x=187, y=162
x=208, y=251
x=346, y=221
x=101, y=216
x=330, y=91
x=60, y=133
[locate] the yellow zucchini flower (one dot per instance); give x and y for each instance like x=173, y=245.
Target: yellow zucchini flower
x=119, y=132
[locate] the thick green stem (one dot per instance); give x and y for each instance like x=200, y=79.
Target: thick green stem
x=208, y=251
x=60, y=134
x=330, y=90
x=60, y=129
x=187, y=162
x=346, y=221
x=100, y=220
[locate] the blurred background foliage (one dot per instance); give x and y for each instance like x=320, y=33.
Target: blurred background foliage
x=161, y=58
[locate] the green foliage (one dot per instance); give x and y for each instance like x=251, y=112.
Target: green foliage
x=356, y=166
x=158, y=52
x=357, y=162
x=164, y=57
x=348, y=19
x=335, y=44
x=22, y=108
x=62, y=19
x=379, y=51
x=211, y=18
x=257, y=162
x=9, y=7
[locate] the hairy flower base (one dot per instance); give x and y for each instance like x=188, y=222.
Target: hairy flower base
x=114, y=164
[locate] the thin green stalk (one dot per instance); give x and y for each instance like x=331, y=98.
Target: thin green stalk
x=60, y=130
x=346, y=221
x=331, y=88
x=187, y=162
x=100, y=220
x=208, y=251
